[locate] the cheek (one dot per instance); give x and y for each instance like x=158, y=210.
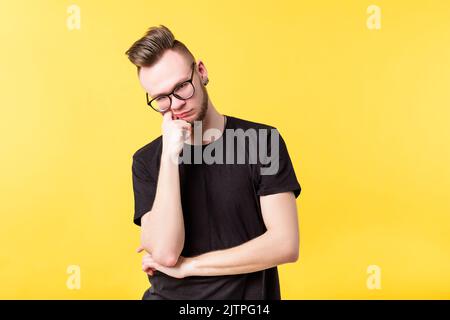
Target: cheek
x=196, y=100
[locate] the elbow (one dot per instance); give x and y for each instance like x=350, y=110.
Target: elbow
x=289, y=246
x=166, y=259
x=163, y=257
x=291, y=254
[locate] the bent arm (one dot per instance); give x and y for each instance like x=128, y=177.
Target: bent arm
x=278, y=245
x=162, y=228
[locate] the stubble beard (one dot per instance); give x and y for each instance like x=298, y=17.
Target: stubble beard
x=203, y=107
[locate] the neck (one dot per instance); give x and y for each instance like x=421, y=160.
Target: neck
x=212, y=120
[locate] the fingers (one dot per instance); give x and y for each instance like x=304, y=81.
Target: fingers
x=174, y=133
x=167, y=116
x=148, y=265
x=182, y=124
x=141, y=248
x=146, y=268
x=176, y=122
x=148, y=260
x=149, y=271
x=184, y=127
x=187, y=134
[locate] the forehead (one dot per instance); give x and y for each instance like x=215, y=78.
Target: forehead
x=161, y=77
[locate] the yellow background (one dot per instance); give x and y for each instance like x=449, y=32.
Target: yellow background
x=365, y=114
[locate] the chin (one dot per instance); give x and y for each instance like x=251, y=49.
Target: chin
x=194, y=117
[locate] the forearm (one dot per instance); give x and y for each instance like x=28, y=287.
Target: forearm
x=266, y=251
x=162, y=230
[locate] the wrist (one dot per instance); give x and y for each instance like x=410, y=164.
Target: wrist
x=169, y=157
x=189, y=267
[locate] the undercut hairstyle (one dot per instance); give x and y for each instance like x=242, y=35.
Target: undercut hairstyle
x=148, y=50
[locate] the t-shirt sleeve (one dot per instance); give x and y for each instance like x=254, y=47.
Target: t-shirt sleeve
x=144, y=188
x=276, y=173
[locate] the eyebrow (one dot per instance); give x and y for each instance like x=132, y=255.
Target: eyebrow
x=167, y=93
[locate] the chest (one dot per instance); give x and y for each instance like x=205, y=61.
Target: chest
x=220, y=183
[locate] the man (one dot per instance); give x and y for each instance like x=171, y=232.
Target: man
x=210, y=230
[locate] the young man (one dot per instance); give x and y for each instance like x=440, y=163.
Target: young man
x=211, y=230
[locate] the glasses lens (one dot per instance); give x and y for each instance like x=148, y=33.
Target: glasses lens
x=161, y=103
x=185, y=90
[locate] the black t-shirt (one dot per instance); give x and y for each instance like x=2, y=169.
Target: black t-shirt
x=221, y=209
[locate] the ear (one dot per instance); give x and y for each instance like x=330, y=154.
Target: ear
x=203, y=72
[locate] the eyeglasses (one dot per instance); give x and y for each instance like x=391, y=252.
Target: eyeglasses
x=182, y=91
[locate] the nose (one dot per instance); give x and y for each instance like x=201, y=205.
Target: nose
x=177, y=103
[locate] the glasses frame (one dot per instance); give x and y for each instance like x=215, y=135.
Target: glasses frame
x=149, y=102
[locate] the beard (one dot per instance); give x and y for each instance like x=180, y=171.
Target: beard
x=203, y=107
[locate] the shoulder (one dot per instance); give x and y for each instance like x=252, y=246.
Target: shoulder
x=238, y=123
x=265, y=134
x=150, y=151
x=252, y=128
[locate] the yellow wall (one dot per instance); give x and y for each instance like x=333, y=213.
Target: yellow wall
x=365, y=113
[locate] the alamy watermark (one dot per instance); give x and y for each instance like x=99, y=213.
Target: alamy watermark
x=73, y=281
x=373, y=21
x=373, y=281
x=251, y=146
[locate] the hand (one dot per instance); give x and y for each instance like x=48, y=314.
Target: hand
x=175, y=133
x=148, y=270
x=182, y=269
